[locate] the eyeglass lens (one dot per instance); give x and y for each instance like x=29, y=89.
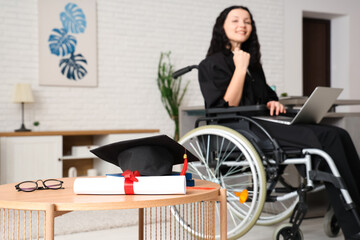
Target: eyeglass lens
x=52, y=184
x=28, y=186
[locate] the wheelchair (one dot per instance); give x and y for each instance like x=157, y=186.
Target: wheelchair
x=252, y=164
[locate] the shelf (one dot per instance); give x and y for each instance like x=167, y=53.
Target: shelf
x=77, y=133
x=77, y=157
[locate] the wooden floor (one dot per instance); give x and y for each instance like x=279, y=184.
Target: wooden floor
x=311, y=228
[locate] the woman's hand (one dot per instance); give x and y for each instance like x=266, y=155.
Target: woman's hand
x=275, y=107
x=241, y=59
x=234, y=90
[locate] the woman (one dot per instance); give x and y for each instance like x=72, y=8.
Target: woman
x=232, y=75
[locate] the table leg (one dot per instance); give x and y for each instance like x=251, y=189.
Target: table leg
x=141, y=223
x=223, y=214
x=49, y=222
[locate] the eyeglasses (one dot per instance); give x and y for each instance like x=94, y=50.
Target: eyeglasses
x=30, y=186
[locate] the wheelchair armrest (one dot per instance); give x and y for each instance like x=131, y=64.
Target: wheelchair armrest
x=251, y=110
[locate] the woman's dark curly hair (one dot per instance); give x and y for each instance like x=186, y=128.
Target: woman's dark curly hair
x=220, y=42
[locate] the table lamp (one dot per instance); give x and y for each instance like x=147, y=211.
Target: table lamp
x=22, y=94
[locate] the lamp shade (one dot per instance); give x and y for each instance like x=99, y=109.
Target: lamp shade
x=22, y=93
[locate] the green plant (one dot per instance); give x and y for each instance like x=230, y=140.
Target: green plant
x=170, y=89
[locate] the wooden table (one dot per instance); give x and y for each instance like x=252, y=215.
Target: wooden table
x=58, y=202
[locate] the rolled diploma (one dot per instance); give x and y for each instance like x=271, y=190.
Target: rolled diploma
x=145, y=185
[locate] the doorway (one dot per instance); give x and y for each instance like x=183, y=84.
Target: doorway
x=316, y=54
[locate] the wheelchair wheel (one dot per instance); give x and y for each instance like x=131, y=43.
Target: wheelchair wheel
x=284, y=232
x=229, y=159
x=331, y=225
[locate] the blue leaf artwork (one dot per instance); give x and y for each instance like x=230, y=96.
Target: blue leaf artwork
x=73, y=19
x=61, y=43
x=72, y=67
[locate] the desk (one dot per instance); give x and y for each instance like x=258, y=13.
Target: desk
x=57, y=202
x=299, y=101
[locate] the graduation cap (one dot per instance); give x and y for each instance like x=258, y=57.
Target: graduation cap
x=151, y=156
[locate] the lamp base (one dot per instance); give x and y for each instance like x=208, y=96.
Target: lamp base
x=22, y=129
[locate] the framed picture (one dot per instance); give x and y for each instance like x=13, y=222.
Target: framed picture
x=67, y=43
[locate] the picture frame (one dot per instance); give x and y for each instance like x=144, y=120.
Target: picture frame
x=67, y=43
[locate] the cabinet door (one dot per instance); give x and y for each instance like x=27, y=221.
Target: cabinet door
x=30, y=158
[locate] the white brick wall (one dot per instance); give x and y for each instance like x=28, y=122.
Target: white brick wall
x=131, y=35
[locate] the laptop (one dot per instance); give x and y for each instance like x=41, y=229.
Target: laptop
x=313, y=110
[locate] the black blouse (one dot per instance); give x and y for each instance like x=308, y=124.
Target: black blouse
x=215, y=73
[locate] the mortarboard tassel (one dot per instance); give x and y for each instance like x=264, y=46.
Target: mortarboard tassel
x=183, y=171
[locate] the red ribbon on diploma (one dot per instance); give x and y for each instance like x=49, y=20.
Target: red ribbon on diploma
x=130, y=178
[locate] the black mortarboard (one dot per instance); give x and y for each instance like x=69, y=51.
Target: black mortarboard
x=151, y=156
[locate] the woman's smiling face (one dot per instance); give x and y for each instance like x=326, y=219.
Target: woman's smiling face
x=237, y=27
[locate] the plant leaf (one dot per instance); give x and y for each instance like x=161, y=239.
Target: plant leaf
x=73, y=67
x=73, y=19
x=61, y=43
x=170, y=88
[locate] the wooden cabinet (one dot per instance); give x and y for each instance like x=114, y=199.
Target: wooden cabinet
x=40, y=155
x=33, y=157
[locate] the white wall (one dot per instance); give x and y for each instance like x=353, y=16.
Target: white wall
x=345, y=38
x=131, y=35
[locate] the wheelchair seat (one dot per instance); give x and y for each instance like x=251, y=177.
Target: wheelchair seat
x=239, y=119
